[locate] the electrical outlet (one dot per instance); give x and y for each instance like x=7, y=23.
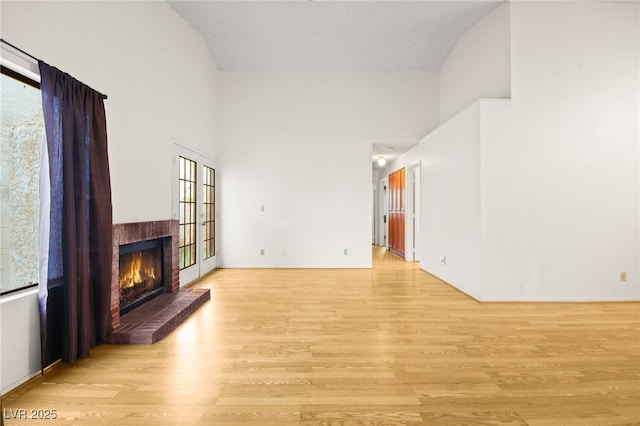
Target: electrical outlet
x=262, y=208
x=443, y=259
x=261, y=252
x=346, y=252
x=284, y=252
x=623, y=277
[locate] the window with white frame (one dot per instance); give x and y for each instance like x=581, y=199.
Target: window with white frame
x=21, y=133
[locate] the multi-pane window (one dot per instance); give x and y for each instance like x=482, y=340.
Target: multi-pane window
x=22, y=129
x=187, y=181
x=209, y=212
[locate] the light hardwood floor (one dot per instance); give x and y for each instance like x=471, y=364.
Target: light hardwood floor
x=387, y=346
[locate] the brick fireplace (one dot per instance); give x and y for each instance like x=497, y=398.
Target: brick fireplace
x=158, y=316
x=124, y=234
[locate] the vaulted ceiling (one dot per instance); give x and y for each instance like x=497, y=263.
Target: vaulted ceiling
x=332, y=35
x=325, y=35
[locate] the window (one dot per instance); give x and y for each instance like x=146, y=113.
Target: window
x=187, y=207
x=209, y=212
x=22, y=129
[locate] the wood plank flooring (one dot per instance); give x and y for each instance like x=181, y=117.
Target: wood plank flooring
x=387, y=346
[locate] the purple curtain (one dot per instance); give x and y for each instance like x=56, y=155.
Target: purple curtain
x=78, y=262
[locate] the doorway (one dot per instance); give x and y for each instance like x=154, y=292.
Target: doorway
x=397, y=185
x=194, y=205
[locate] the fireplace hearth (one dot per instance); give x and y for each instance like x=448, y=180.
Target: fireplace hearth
x=147, y=302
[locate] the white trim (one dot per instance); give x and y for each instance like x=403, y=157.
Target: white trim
x=383, y=217
x=20, y=70
x=6, y=298
x=202, y=266
x=536, y=299
x=11, y=386
x=563, y=300
x=471, y=295
x=177, y=142
x=413, y=203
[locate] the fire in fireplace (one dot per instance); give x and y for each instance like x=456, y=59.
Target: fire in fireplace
x=140, y=268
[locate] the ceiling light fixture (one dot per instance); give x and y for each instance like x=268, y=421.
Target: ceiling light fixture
x=382, y=161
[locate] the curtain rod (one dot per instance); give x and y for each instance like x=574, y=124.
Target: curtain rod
x=18, y=49
x=31, y=56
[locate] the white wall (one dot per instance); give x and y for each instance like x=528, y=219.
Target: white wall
x=450, y=215
x=161, y=83
x=567, y=221
x=478, y=66
x=157, y=72
x=300, y=144
x=496, y=145
x=538, y=198
x=450, y=187
x=20, y=337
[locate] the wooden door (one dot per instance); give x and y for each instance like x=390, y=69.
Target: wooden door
x=397, y=211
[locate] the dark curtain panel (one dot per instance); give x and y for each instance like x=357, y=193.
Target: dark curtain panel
x=80, y=217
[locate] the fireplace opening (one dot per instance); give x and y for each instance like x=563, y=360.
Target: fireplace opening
x=141, y=273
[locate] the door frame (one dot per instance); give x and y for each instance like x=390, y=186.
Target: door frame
x=202, y=266
x=383, y=235
x=412, y=215
x=397, y=219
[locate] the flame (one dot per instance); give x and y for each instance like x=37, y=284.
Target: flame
x=135, y=273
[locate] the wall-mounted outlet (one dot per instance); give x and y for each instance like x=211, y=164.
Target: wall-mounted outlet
x=284, y=252
x=262, y=208
x=443, y=259
x=346, y=252
x=623, y=277
x=261, y=252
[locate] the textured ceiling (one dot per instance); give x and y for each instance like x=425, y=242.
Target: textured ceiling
x=331, y=35
x=326, y=35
